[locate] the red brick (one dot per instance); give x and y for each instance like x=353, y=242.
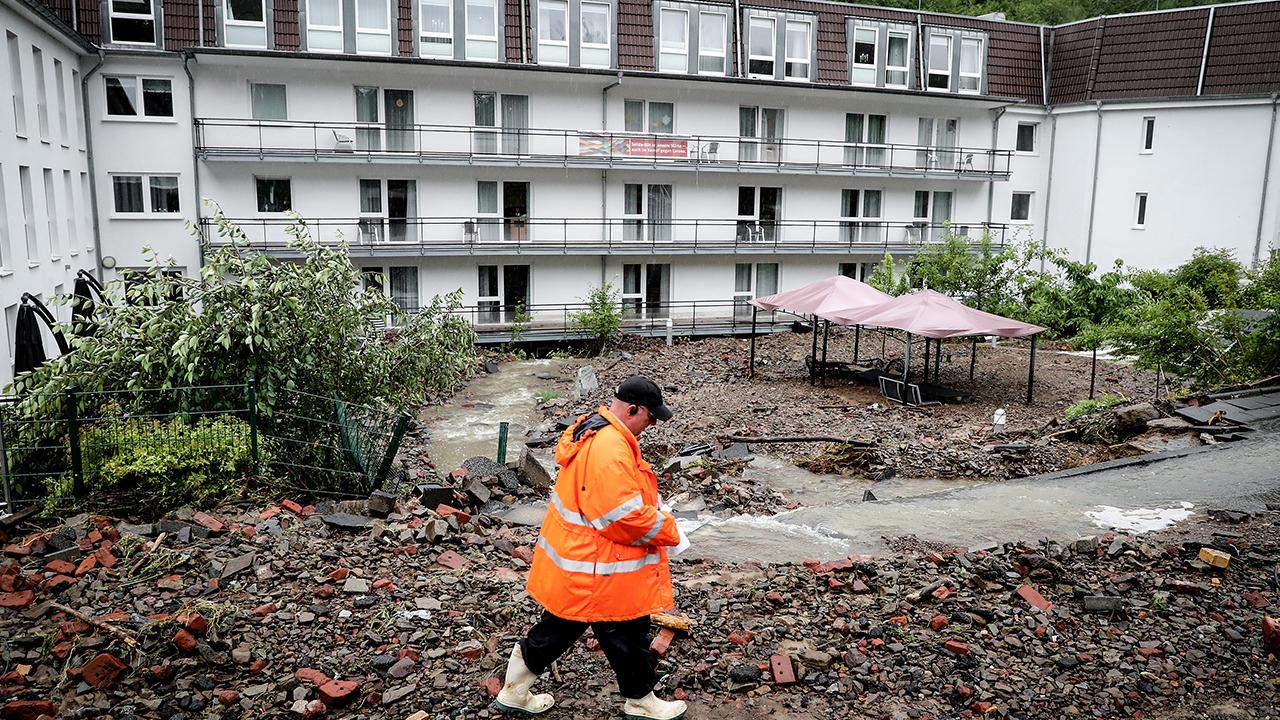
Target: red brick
x=62, y=650
x=95, y=536
x=8, y=579
x=934, y=558
x=775, y=597
x=18, y=599
x=900, y=619
x=739, y=639
x=311, y=675
x=938, y=622
x=982, y=708
x=445, y=511
x=248, y=531
x=86, y=566
x=257, y=666
x=195, y=622
x=662, y=641
x=458, y=473
x=185, y=640
x=942, y=593
x=161, y=673
x=103, y=671
x=470, y=651
x=1271, y=633
x=1257, y=600
x=783, y=672
x=29, y=709
x=208, y=521
x=1149, y=652
x=264, y=610
x=834, y=584
x=326, y=591
x=492, y=685
x=679, y=694
x=340, y=574
x=336, y=693
x=410, y=653
x=524, y=553
x=1034, y=598
x=269, y=513
x=315, y=708
x=60, y=567
x=105, y=558
x=451, y=560
x=58, y=583
x=955, y=647
x=291, y=506
x=381, y=583
x=860, y=587
x=228, y=697
x=19, y=551
x=405, y=550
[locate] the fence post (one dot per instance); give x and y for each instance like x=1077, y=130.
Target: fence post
x=73, y=442
x=251, y=397
x=397, y=435
x=503, y=428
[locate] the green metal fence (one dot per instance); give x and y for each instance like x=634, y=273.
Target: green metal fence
x=60, y=447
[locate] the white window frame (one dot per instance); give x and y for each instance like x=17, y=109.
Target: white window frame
x=929, y=70
x=489, y=222
x=1031, y=199
x=772, y=57
x=42, y=94
x=51, y=215
x=1035, y=138
x=73, y=211
x=904, y=69
x=324, y=30
x=140, y=103
x=148, y=211
x=1141, y=207
x=228, y=22
x=19, y=88
x=861, y=226
x=29, y=215
x=253, y=111
x=787, y=59
x=646, y=121
x=561, y=45
x=471, y=36
x=975, y=76
x=854, y=65
x=149, y=17
x=424, y=48
x=6, y=252
x=585, y=48
x=683, y=50
x=376, y=34
x=1147, y=140
x=741, y=297
x=78, y=121
x=60, y=84
x=723, y=54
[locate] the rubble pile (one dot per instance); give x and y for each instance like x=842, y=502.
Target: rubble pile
x=712, y=482
x=326, y=611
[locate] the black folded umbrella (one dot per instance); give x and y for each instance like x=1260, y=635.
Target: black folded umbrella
x=28, y=348
x=82, y=308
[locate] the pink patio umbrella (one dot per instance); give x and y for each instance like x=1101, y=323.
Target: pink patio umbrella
x=934, y=315
x=826, y=299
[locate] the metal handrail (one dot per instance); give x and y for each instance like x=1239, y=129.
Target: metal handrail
x=489, y=234
x=315, y=139
x=731, y=315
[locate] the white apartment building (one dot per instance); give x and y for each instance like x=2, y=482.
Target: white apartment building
x=693, y=154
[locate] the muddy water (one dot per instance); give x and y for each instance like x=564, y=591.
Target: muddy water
x=468, y=425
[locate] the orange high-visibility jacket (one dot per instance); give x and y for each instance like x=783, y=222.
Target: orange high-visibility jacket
x=601, y=555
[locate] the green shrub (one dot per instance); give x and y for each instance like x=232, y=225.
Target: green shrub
x=603, y=316
x=158, y=465
x=1084, y=407
x=544, y=395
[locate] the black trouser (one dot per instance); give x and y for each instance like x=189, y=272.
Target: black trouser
x=625, y=644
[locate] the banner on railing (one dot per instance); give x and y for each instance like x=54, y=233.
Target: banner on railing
x=601, y=145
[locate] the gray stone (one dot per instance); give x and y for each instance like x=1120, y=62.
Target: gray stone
x=355, y=585
x=345, y=521
x=736, y=451
x=145, y=530
x=1103, y=603
x=431, y=495
x=536, y=469
x=1086, y=545
x=401, y=669
x=241, y=655
x=676, y=464
x=476, y=490
x=255, y=690
x=586, y=382
x=381, y=504
x=238, y=565
x=396, y=694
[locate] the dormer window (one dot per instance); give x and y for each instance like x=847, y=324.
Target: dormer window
x=880, y=53
x=482, y=30
x=760, y=57
x=553, y=32
x=779, y=45
x=577, y=33
x=673, y=41
x=596, y=39
x=956, y=60
x=799, y=40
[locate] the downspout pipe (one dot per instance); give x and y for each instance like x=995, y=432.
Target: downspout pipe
x=1093, y=195
x=524, y=34
x=88, y=151
x=1048, y=191
x=604, y=174
x=1266, y=178
x=996, y=114
x=737, y=36
x=195, y=160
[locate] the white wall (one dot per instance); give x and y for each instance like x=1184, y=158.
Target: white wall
x=62, y=240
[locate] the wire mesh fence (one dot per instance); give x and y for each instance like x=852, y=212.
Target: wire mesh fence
x=108, y=448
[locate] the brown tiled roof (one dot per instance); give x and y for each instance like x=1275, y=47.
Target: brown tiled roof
x=210, y=22
x=1155, y=55
x=180, y=20
x=61, y=8
x=1244, y=54
x=90, y=20
x=1070, y=61
x=635, y=35
x=286, y=24
x=513, y=26
x=405, y=32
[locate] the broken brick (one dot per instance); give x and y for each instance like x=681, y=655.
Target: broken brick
x=291, y=506
x=445, y=511
x=103, y=671
x=1149, y=652
x=982, y=708
x=492, y=685
x=264, y=610
x=1034, y=598
x=938, y=622
x=105, y=557
x=340, y=574
x=783, y=671
x=195, y=622
x=208, y=522
x=955, y=647
x=524, y=553
x=662, y=641
x=185, y=640
x=942, y=593
x=86, y=566
x=269, y=513
x=60, y=567
x=58, y=583
x=451, y=560
x=739, y=639
x=381, y=583
x=29, y=709
x=311, y=675
x=339, y=692
x=19, y=599
x=228, y=697
x=458, y=473
x=1215, y=558
x=1271, y=634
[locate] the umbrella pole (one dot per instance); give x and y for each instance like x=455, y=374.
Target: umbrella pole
x=937, y=361
x=857, y=341
x=973, y=356
x=826, y=331
x=751, y=370
x=813, y=354
x=906, y=360
x=1093, y=371
x=927, y=355
x=1031, y=370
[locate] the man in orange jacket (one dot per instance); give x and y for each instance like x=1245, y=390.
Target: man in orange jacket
x=601, y=557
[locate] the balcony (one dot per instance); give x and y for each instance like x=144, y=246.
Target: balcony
x=232, y=139
x=493, y=322
x=383, y=237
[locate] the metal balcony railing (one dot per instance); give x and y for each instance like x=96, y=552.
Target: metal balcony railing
x=475, y=145
x=492, y=235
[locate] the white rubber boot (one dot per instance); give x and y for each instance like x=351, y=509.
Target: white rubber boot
x=650, y=707
x=514, y=697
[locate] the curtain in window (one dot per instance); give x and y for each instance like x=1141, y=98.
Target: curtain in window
x=127, y=190
x=660, y=213
x=404, y=288
x=164, y=194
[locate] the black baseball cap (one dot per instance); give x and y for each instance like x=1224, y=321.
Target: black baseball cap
x=640, y=390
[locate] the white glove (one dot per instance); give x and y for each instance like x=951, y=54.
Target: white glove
x=684, y=539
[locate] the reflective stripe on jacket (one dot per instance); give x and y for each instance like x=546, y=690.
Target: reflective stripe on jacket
x=601, y=555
